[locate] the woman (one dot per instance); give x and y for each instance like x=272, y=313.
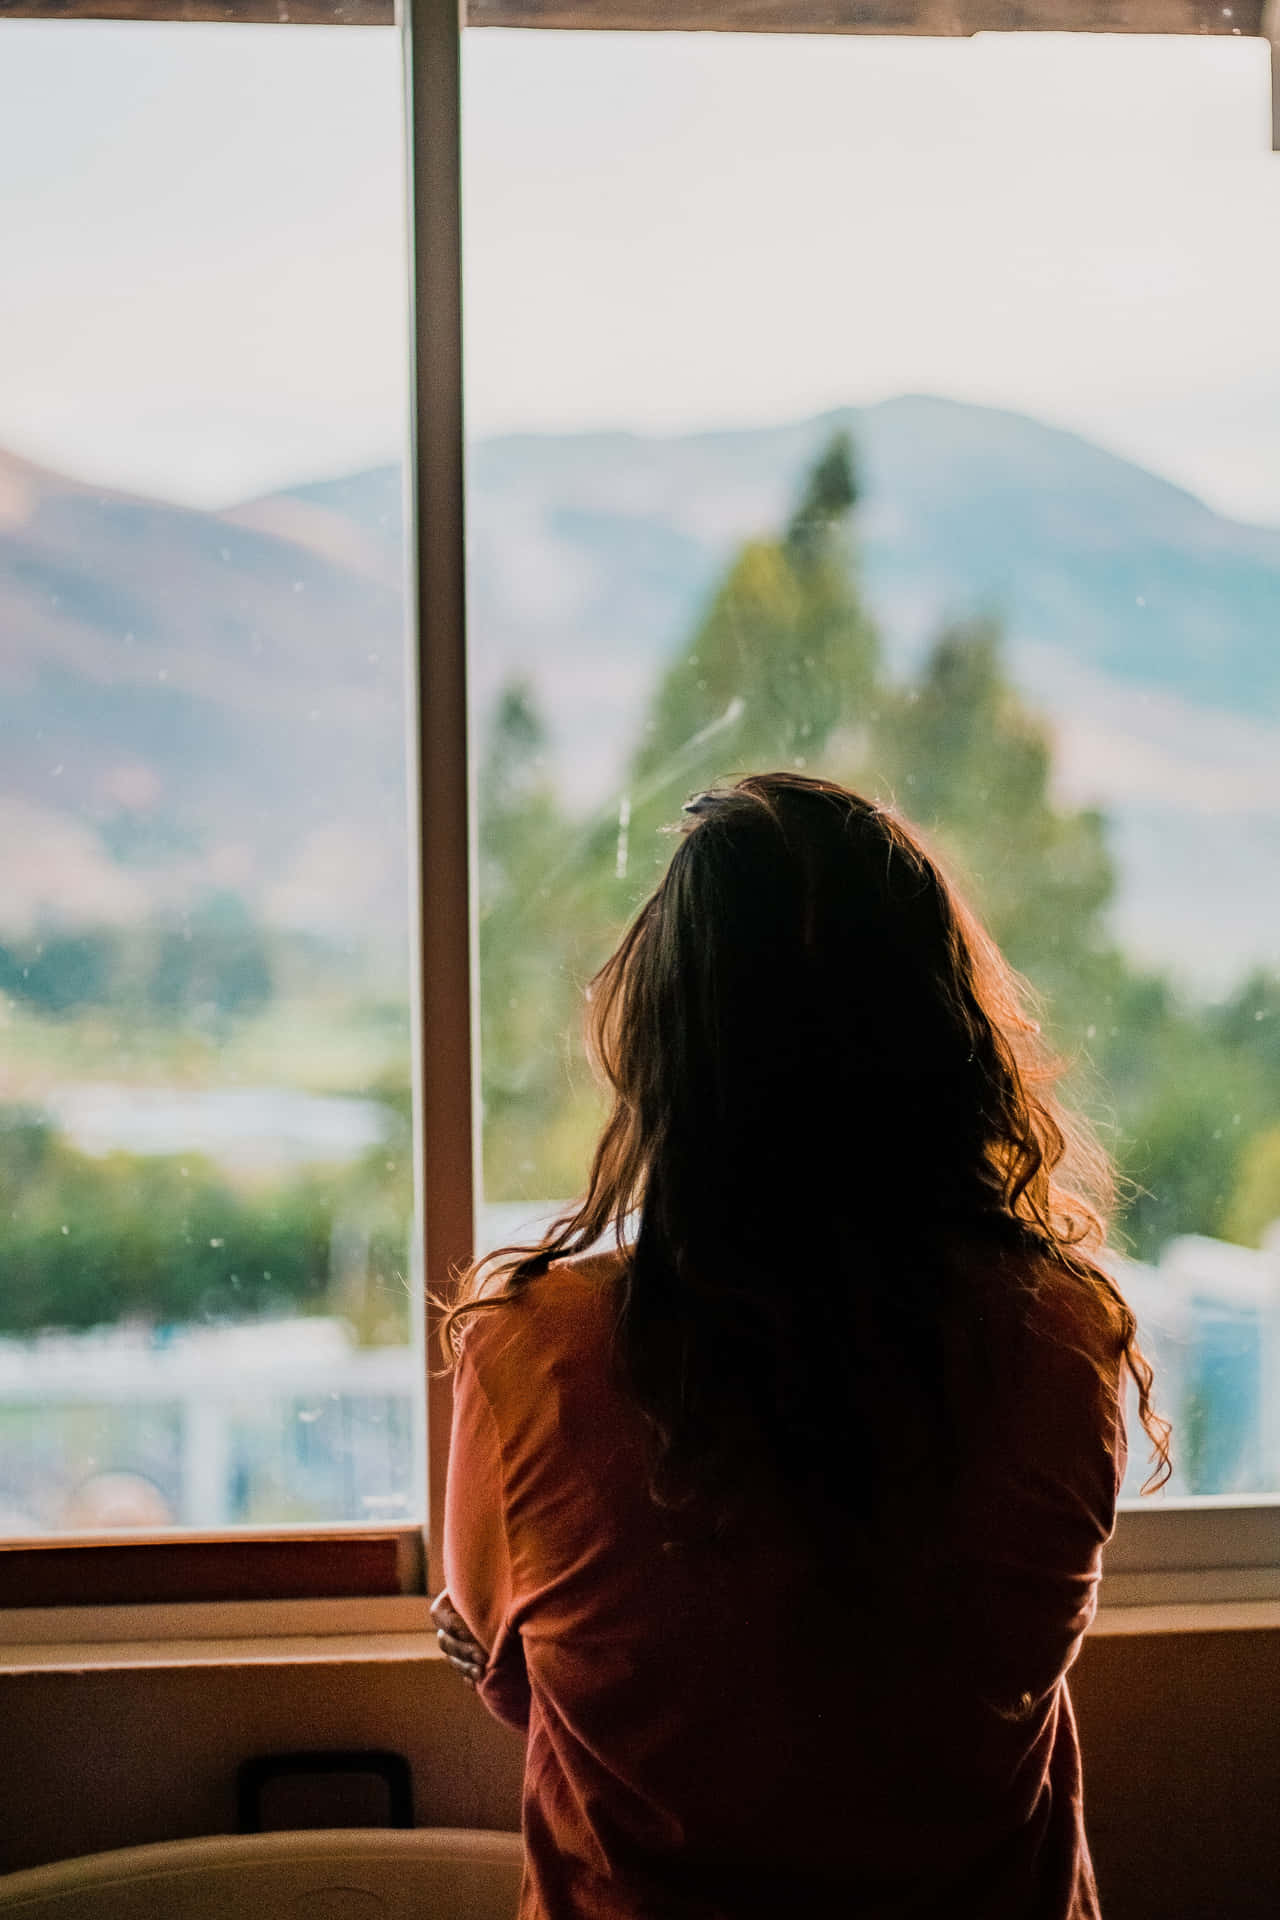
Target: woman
x=778, y=1524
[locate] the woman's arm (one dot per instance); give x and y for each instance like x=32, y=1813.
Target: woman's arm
x=1034, y=1529
x=480, y=1585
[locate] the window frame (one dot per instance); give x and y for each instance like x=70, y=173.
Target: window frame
x=211, y=1569
x=362, y=1570
x=1193, y=1553
x=954, y=19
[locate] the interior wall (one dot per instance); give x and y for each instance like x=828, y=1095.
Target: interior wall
x=90, y=1761
x=1181, y=1736
x=1181, y=1740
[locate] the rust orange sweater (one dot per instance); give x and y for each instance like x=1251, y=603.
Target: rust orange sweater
x=711, y=1735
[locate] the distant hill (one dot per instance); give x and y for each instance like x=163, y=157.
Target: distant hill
x=192, y=701
x=220, y=693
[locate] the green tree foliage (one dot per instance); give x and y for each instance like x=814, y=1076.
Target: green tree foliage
x=1189, y=1090
x=62, y=972
x=1255, y=1200
x=218, y=961
x=965, y=758
x=784, y=669
x=535, y=930
x=1177, y=1091
x=781, y=665
x=86, y=1241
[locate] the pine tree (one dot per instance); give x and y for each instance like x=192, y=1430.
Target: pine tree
x=783, y=670
x=966, y=758
x=780, y=667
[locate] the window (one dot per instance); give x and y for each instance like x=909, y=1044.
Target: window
x=976, y=311
x=662, y=310
x=210, y=1314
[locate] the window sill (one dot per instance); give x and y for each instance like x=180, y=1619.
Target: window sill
x=1191, y=1587
x=330, y=1633
x=1210, y=1616
x=1199, y=1553
x=84, y=1639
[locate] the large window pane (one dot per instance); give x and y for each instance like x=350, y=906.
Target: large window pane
x=998, y=316
x=207, y=1297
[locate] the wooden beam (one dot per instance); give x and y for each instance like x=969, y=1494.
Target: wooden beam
x=941, y=18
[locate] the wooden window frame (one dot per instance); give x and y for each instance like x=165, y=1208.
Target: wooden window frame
x=939, y=19
x=1191, y=1553
x=287, y=1569
x=211, y=1570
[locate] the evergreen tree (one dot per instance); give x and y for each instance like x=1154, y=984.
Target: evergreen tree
x=829, y=496
x=966, y=759
x=531, y=917
x=1178, y=1092
x=783, y=670
x=781, y=665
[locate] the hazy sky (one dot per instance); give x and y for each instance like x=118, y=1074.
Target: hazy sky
x=201, y=242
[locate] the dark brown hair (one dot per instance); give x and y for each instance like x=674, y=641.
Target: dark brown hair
x=823, y=1078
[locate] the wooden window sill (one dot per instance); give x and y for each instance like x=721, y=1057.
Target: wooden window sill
x=89, y=1639
x=1204, y=1616
x=339, y=1633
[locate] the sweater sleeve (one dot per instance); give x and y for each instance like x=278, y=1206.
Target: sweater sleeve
x=478, y=1569
x=1032, y=1554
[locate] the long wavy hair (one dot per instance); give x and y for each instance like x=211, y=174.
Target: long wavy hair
x=824, y=1080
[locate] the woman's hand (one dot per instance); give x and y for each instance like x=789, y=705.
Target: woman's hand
x=457, y=1643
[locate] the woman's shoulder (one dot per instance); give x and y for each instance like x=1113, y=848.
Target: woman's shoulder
x=599, y=1270
x=576, y=1289
x=1075, y=1302
x=1061, y=1300
x=1050, y=1344
x=568, y=1306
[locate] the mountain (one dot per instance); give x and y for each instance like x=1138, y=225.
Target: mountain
x=193, y=701
x=220, y=693
x=603, y=544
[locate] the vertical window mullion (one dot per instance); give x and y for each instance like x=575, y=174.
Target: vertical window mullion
x=443, y=1049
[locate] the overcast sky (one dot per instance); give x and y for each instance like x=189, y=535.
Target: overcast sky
x=201, y=242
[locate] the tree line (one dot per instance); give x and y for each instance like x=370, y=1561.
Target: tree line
x=90, y=1240
x=217, y=959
